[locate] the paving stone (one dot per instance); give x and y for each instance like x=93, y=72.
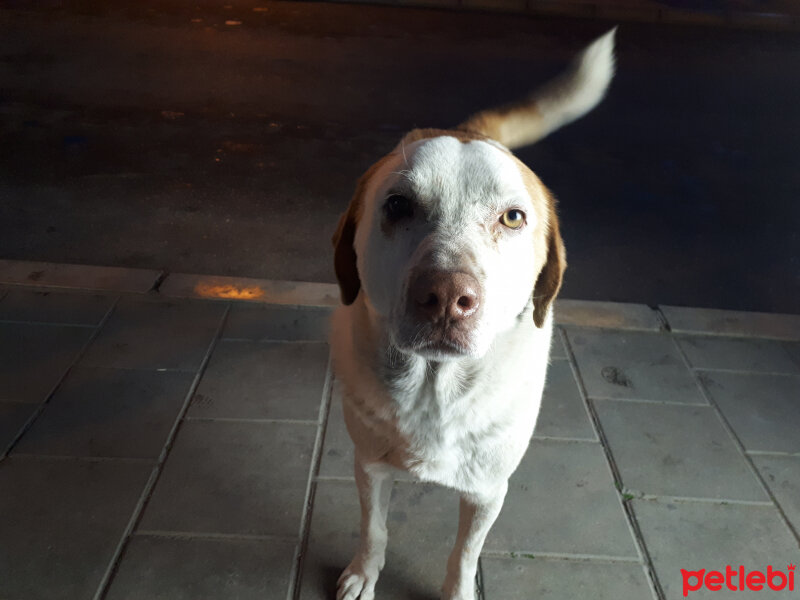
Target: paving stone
x=262, y=380
x=730, y=322
x=702, y=535
x=782, y=476
x=151, y=334
x=613, y=315
x=673, y=450
x=34, y=358
x=762, y=409
x=562, y=500
x=13, y=415
x=109, y=413
x=62, y=522
x=332, y=540
x=563, y=413
x=233, y=477
x=161, y=568
x=55, y=307
x=257, y=290
x=269, y=322
x=85, y=277
x=739, y=354
x=422, y=524
x=793, y=348
x=632, y=365
x=524, y=578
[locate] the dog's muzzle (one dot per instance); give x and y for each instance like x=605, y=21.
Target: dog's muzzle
x=444, y=307
x=444, y=296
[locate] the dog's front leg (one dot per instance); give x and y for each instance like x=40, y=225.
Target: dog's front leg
x=374, y=487
x=475, y=518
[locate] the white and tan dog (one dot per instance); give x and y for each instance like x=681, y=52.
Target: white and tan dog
x=449, y=258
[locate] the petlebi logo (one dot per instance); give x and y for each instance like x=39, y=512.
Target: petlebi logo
x=739, y=579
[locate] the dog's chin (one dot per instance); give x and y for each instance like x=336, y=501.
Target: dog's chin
x=442, y=351
x=438, y=344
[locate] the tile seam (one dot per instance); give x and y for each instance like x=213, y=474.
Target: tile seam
x=49, y=323
x=566, y=556
x=645, y=401
x=734, y=335
x=630, y=517
x=773, y=453
x=146, y=369
x=573, y=367
x=589, y=325
x=19, y=402
x=738, y=443
x=4, y=452
x=144, y=496
x=75, y=457
x=335, y=478
x=566, y=440
x=254, y=421
x=296, y=573
x=667, y=499
x=212, y=536
x=746, y=372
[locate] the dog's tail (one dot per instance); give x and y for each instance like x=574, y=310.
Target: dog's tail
x=557, y=103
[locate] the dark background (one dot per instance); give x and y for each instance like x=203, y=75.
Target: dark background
x=165, y=138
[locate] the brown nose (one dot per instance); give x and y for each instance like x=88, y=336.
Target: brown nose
x=436, y=295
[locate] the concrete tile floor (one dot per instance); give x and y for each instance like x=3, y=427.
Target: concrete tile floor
x=157, y=447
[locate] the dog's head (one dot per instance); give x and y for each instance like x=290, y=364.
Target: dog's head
x=449, y=238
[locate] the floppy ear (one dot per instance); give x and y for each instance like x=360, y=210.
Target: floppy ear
x=344, y=256
x=549, y=280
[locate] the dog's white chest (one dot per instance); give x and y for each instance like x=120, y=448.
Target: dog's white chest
x=462, y=428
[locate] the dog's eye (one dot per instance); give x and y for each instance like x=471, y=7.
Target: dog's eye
x=398, y=207
x=513, y=219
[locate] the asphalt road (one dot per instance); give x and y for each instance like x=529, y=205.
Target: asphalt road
x=167, y=138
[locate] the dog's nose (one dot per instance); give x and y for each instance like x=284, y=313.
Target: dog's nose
x=454, y=296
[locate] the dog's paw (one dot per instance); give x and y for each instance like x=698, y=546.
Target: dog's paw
x=357, y=583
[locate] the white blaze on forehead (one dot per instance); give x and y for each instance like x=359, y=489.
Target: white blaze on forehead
x=448, y=175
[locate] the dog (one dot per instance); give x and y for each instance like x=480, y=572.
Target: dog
x=448, y=260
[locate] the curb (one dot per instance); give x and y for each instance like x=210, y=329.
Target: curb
x=572, y=313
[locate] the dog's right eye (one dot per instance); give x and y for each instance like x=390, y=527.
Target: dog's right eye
x=398, y=207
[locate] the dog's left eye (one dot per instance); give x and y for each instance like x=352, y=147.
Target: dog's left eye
x=513, y=219
x=398, y=207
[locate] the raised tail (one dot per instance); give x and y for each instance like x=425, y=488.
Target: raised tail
x=561, y=101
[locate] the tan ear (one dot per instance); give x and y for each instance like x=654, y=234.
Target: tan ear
x=344, y=256
x=549, y=280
